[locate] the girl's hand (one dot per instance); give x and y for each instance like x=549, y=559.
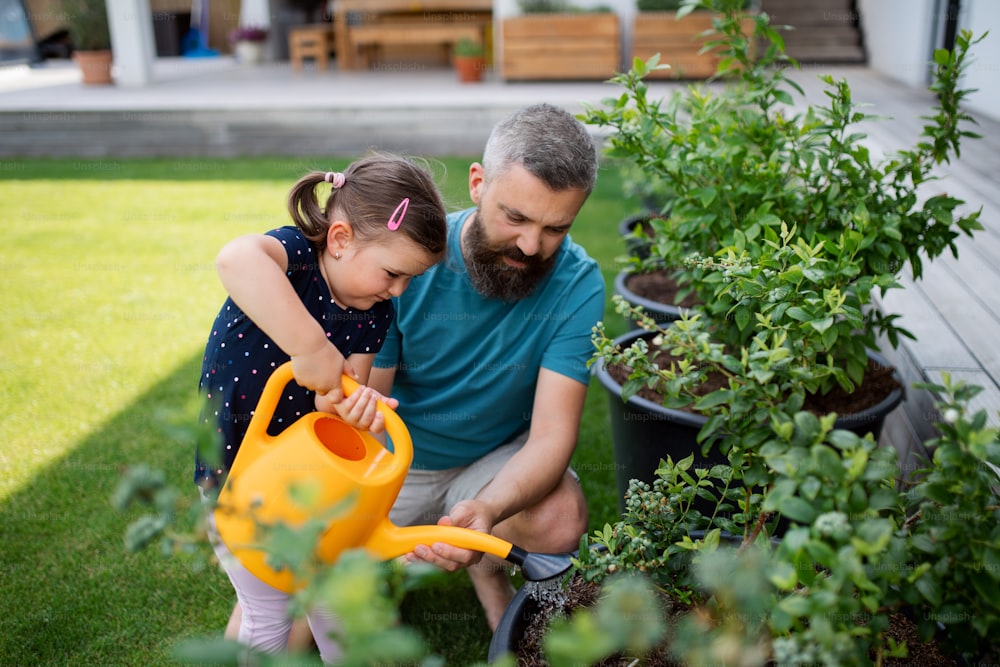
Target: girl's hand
x=359, y=409
x=320, y=371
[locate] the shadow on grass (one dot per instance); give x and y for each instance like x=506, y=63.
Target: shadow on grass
x=72, y=593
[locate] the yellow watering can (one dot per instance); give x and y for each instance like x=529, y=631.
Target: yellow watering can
x=354, y=478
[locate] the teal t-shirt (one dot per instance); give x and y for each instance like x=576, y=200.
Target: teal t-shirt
x=467, y=366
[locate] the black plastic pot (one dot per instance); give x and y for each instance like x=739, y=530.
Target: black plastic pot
x=644, y=432
x=513, y=624
x=660, y=312
x=634, y=246
x=524, y=607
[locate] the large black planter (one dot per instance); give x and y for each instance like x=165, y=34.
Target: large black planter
x=644, y=432
x=522, y=610
x=513, y=624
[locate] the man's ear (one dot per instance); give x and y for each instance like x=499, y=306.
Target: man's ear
x=477, y=181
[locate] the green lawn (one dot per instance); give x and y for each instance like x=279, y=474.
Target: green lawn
x=108, y=293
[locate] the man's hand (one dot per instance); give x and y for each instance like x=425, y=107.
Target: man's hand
x=471, y=514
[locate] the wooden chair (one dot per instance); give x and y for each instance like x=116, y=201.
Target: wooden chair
x=310, y=41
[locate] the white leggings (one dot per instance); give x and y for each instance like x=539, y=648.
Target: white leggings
x=266, y=622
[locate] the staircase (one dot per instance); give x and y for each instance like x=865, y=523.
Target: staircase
x=825, y=31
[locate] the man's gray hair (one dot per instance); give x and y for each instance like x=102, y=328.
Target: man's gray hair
x=547, y=141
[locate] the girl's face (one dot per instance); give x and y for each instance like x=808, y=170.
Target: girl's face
x=367, y=273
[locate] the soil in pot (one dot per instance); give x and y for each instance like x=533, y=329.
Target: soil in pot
x=659, y=286
x=879, y=382
x=580, y=593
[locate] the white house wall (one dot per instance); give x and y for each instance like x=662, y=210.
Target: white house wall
x=984, y=72
x=898, y=37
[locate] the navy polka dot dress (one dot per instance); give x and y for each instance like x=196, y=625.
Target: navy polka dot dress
x=239, y=357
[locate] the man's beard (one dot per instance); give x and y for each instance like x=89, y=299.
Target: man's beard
x=491, y=276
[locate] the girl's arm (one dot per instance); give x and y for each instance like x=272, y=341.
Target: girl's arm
x=252, y=269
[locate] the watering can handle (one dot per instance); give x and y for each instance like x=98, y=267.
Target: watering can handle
x=282, y=375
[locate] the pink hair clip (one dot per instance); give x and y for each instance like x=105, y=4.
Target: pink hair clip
x=396, y=219
x=335, y=178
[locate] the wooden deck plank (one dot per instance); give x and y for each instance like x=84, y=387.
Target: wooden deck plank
x=939, y=344
x=976, y=326
x=954, y=310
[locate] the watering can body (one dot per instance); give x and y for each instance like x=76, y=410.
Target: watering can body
x=342, y=473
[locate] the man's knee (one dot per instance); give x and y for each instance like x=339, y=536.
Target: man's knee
x=558, y=521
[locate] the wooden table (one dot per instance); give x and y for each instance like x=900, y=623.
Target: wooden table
x=370, y=11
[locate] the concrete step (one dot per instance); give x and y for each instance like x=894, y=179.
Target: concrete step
x=823, y=31
x=232, y=132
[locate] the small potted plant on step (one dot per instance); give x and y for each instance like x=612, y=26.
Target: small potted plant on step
x=248, y=44
x=469, y=59
x=91, y=38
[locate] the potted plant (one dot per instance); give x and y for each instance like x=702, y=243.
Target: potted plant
x=552, y=40
x=864, y=574
x=672, y=30
x=782, y=226
x=248, y=43
x=469, y=59
x=91, y=38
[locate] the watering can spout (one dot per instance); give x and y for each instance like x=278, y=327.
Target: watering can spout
x=390, y=541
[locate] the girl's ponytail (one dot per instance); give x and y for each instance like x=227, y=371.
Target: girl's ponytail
x=307, y=213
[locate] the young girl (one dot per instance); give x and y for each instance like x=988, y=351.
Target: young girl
x=319, y=294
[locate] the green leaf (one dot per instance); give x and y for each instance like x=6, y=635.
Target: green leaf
x=718, y=397
x=872, y=536
x=798, y=313
x=821, y=553
x=742, y=318
x=782, y=96
x=706, y=195
x=988, y=589
x=797, y=509
x=930, y=588
x=822, y=325
x=796, y=605
x=784, y=575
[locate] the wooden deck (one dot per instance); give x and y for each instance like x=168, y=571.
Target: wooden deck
x=954, y=310
x=219, y=109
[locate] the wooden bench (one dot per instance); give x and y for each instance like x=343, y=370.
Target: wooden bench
x=364, y=27
x=365, y=40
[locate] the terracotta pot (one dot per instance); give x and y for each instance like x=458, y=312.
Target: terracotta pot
x=95, y=66
x=469, y=68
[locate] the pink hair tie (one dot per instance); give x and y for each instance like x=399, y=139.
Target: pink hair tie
x=335, y=178
x=396, y=219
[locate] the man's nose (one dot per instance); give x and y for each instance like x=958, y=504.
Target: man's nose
x=529, y=241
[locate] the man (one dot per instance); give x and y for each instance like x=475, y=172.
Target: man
x=488, y=353
x=487, y=356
